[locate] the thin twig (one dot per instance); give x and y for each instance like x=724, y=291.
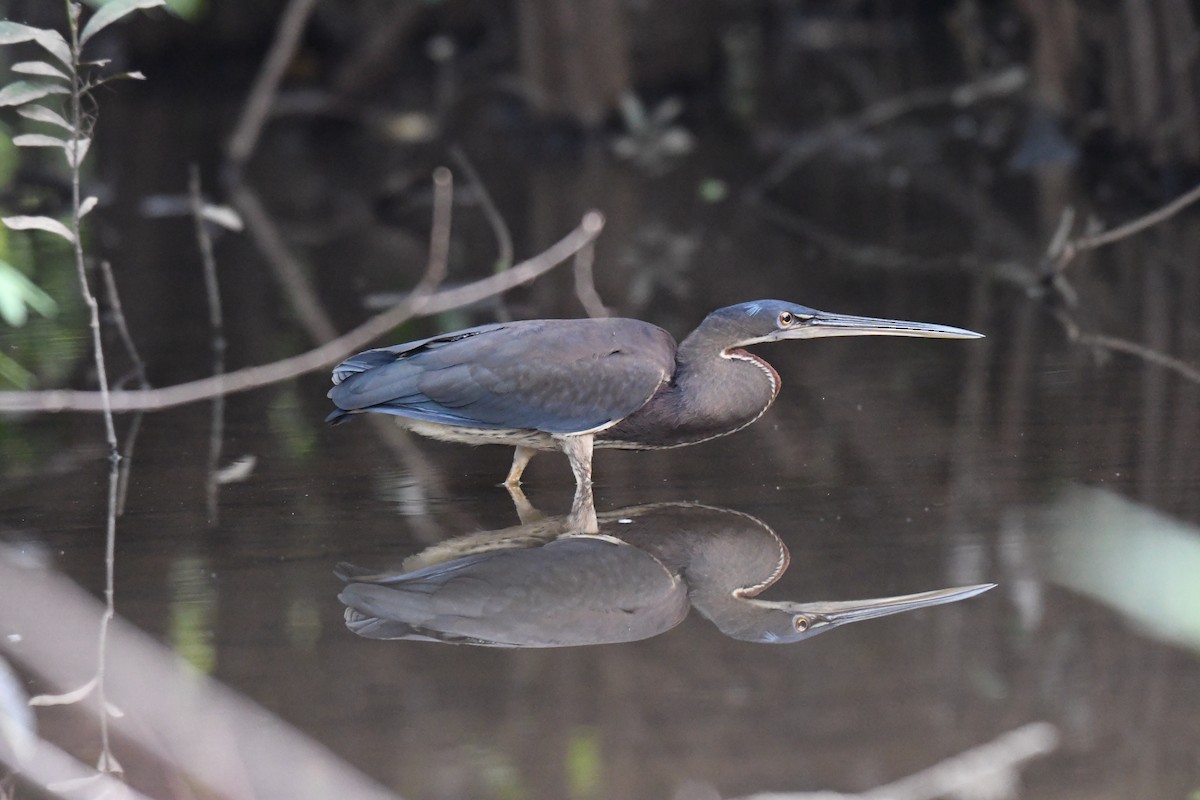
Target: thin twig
x=806, y=147
x=266, y=85
x=327, y=354
x=139, y=370
x=585, y=282
x=289, y=274
x=89, y=299
x=504, y=245
x=107, y=762
x=503, y=238
x=118, y=317
x=216, y=322
x=1074, y=247
x=439, y=240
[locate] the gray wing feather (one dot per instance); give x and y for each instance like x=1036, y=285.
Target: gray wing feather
x=556, y=376
x=569, y=592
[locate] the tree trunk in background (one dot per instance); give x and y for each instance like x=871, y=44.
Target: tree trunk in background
x=574, y=56
x=1150, y=53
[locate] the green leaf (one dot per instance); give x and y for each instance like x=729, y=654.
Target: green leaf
x=14, y=373
x=39, y=224
x=40, y=68
x=15, y=33
x=51, y=40
x=111, y=12
x=43, y=114
x=56, y=45
x=38, y=140
x=21, y=92
x=17, y=293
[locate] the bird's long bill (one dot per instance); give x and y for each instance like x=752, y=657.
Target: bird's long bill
x=847, y=611
x=826, y=324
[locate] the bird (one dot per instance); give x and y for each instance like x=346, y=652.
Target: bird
x=544, y=585
x=578, y=384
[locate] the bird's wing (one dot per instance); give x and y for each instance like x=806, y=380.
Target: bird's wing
x=555, y=376
x=574, y=591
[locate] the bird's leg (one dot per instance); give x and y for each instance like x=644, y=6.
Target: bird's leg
x=521, y=456
x=583, y=510
x=525, y=510
x=579, y=453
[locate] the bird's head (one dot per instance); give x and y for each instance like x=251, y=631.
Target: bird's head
x=761, y=321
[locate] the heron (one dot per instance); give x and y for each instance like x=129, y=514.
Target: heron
x=544, y=584
x=578, y=384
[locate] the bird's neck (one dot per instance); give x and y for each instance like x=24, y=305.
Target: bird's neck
x=713, y=392
x=725, y=564
x=724, y=388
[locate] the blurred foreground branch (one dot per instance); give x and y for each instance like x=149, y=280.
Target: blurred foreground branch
x=415, y=305
x=990, y=770
x=179, y=727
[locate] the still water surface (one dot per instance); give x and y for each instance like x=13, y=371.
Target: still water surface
x=887, y=467
x=873, y=471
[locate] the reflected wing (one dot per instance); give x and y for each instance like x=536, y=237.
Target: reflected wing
x=555, y=376
x=570, y=592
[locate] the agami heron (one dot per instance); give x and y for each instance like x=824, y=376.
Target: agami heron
x=575, y=384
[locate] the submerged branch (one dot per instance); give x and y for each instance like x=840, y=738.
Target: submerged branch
x=1115, y=344
x=216, y=324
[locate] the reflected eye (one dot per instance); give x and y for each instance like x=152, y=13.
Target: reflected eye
x=786, y=318
x=801, y=624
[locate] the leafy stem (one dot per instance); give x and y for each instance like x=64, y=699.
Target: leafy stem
x=78, y=89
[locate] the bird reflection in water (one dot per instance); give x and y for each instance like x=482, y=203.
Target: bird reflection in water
x=542, y=585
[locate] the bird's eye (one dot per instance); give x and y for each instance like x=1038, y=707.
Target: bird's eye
x=786, y=318
x=801, y=624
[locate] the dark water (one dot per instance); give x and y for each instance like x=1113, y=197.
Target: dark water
x=1071, y=479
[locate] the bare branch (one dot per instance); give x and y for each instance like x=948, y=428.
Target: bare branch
x=504, y=259
x=585, y=282
x=216, y=323
x=296, y=286
x=327, y=354
x=118, y=315
x=139, y=371
x=807, y=146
